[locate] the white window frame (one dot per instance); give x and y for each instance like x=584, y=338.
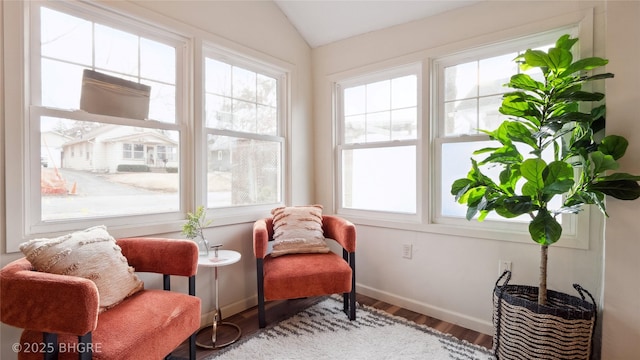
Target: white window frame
x=575, y=227
x=24, y=133
x=261, y=65
x=369, y=76
x=427, y=219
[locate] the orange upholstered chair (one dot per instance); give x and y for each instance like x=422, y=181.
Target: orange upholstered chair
x=295, y=276
x=61, y=313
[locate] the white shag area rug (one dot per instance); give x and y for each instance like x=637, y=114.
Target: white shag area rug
x=323, y=331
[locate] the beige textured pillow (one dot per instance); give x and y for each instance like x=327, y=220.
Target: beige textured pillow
x=298, y=229
x=92, y=254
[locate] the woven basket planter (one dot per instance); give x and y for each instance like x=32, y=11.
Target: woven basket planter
x=524, y=330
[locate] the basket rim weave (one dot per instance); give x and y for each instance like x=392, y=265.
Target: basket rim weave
x=559, y=304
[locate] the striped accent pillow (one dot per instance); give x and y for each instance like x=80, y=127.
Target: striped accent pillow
x=298, y=229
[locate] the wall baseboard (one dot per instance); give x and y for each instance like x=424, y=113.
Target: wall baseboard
x=479, y=325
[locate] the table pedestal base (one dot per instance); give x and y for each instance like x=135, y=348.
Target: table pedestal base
x=213, y=343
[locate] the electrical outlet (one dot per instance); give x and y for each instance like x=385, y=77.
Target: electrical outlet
x=406, y=251
x=503, y=265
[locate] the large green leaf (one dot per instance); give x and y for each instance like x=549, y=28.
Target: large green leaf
x=477, y=175
x=519, y=133
x=518, y=205
x=558, y=178
x=559, y=59
x=585, y=64
x=580, y=96
x=544, y=229
x=475, y=195
x=460, y=186
x=598, y=77
x=532, y=169
x=566, y=42
x=509, y=178
x=602, y=162
x=525, y=82
x=536, y=58
x=516, y=106
x=619, y=176
x=614, y=145
x=507, y=154
x=619, y=189
x=531, y=189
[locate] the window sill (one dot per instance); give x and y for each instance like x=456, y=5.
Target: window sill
x=476, y=230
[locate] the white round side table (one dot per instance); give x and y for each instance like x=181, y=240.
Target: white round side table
x=216, y=259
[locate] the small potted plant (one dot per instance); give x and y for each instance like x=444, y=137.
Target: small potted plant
x=547, y=116
x=193, y=229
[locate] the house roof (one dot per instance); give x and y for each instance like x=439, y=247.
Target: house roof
x=148, y=136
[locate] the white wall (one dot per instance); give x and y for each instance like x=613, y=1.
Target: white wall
x=621, y=328
x=258, y=28
x=449, y=277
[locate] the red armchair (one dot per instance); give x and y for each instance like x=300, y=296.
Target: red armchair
x=60, y=313
x=303, y=275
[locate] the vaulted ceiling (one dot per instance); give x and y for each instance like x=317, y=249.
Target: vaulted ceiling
x=321, y=22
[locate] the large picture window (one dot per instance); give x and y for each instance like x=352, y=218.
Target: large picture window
x=97, y=164
x=378, y=141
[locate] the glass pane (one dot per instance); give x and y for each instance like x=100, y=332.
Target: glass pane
x=242, y=171
x=489, y=116
x=157, y=61
x=354, y=100
x=244, y=116
x=92, y=170
x=461, y=117
x=404, y=124
x=116, y=50
x=65, y=37
x=267, y=90
x=61, y=84
x=461, y=81
x=379, y=96
x=267, y=120
x=218, y=77
x=219, y=112
x=381, y=179
x=354, y=129
x=244, y=84
x=162, y=102
x=456, y=163
x=404, y=92
x=495, y=72
x=379, y=126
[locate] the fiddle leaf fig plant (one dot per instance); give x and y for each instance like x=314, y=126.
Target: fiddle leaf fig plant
x=548, y=116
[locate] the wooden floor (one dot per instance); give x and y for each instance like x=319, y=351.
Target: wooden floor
x=280, y=310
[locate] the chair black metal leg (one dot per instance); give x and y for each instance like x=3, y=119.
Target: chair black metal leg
x=260, y=271
x=50, y=341
x=192, y=346
x=166, y=282
x=85, y=351
x=352, y=300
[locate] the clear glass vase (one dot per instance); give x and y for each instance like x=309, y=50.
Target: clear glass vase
x=203, y=246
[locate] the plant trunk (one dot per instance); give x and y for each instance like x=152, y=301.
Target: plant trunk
x=542, y=289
